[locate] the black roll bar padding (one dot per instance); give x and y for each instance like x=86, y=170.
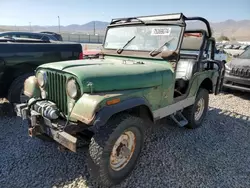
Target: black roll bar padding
x=220, y=78
x=204, y=39
x=159, y=15
x=204, y=21
x=181, y=17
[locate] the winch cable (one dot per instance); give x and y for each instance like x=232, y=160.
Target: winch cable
x=67, y=122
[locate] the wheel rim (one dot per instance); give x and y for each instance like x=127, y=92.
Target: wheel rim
x=122, y=150
x=200, y=109
x=23, y=98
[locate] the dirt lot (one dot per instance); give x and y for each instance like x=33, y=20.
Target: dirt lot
x=215, y=155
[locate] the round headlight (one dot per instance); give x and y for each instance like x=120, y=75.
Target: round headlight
x=41, y=77
x=72, y=88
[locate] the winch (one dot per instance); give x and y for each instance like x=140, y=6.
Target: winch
x=47, y=109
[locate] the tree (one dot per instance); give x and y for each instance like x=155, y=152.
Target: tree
x=223, y=37
x=233, y=38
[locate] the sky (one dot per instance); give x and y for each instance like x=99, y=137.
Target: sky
x=46, y=12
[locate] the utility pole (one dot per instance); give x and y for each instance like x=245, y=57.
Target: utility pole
x=94, y=27
x=59, y=24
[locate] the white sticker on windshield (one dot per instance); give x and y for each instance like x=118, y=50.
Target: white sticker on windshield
x=161, y=31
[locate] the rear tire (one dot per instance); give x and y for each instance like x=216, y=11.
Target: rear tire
x=196, y=113
x=102, y=155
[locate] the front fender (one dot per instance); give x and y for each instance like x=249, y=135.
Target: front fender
x=106, y=112
x=91, y=109
x=84, y=109
x=31, y=88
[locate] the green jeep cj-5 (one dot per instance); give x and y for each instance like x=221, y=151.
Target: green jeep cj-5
x=150, y=67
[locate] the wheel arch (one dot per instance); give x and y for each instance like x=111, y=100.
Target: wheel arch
x=207, y=83
x=135, y=106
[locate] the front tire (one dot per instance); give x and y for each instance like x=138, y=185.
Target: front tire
x=196, y=113
x=15, y=93
x=115, y=149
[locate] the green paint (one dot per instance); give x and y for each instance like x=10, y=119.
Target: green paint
x=113, y=74
x=117, y=76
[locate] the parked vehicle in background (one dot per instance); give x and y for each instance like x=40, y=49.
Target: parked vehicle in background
x=221, y=55
x=228, y=46
x=90, y=54
x=29, y=35
x=56, y=35
x=244, y=47
x=237, y=75
x=20, y=57
x=146, y=72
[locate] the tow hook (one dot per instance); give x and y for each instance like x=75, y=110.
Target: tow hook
x=33, y=131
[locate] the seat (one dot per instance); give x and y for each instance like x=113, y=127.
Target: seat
x=185, y=69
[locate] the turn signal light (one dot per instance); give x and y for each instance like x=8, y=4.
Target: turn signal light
x=113, y=101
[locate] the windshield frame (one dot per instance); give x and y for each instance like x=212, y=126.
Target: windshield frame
x=143, y=53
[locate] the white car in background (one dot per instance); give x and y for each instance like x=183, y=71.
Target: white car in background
x=221, y=55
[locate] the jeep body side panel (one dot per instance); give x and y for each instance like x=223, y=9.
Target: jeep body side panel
x=199, y=77
x=168, y=85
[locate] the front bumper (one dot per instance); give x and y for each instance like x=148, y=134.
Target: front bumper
x=237, y=83
x=39, y=126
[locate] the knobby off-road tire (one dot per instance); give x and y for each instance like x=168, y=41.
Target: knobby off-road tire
x=202, y=98
x=101, y=146
x=16, y=88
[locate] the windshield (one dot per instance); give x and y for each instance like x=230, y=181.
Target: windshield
x=144, y=38
x=245, y=55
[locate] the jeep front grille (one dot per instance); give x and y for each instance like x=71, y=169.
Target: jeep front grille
x=240, y=72
x=56, y=89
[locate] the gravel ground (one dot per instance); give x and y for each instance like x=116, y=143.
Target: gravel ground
x=215, y=155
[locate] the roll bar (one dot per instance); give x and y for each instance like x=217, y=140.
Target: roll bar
x=164, y=17
x=209, y=32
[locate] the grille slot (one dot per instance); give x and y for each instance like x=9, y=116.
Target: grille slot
x=245, y=73
x=57, y=90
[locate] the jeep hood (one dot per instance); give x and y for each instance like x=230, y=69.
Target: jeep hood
x=239, y=63
x=114, y=74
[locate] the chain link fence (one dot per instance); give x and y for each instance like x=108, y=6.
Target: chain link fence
x=70, y=37
x=83, y=38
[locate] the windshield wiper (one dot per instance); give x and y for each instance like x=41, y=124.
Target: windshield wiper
x=158, y=50
x=121, y=49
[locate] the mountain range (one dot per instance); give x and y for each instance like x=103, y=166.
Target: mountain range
x=239, y=30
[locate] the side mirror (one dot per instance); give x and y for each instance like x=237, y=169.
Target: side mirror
x=169, y=55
